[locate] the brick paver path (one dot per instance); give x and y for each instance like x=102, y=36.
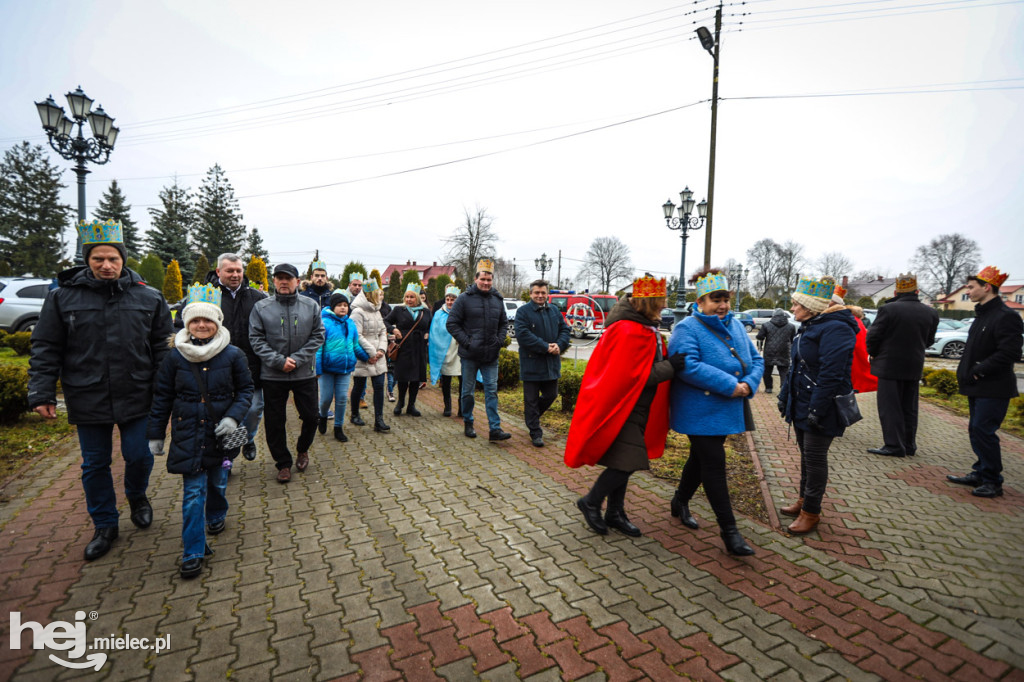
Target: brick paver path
x=425, y=555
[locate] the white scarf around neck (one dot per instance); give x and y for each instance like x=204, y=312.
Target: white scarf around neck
x=193, y=353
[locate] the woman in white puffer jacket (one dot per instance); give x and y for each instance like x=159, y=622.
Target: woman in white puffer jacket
x=373, y=337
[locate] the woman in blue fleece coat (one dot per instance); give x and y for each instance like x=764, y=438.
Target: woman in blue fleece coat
x=335, y=361
x=723, y=368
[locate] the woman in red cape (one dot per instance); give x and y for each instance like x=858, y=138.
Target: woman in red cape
x=621, y=416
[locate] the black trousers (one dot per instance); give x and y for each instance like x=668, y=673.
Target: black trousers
x=537, y=398
x=413, y=388
x=706, y=465
x=767, y=376
x=813, y=468
x=446, y=391
x=897, y=411
x=611, y=484
x=275, y=403
x=359, y=388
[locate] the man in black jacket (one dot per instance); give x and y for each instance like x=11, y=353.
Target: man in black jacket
x=986, y=377
x=479, y=325
x=103, y=332
x=543, y=336
x=896, y=342
x=320, y=288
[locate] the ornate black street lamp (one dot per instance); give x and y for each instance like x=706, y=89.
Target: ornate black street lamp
x=684, y=223
x=78, y=148
x=739, y=274
x=543, y=264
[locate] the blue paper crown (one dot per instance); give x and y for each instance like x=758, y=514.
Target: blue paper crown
x=452, y=290
x=816, y=288
x=413, y=287
x=353, y=276
x=370, y=285
x=711, y=282
x=318, y=265
x=204, y=293
x=98, y=232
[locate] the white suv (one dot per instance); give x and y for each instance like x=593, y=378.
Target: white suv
x=511, y=306
x=21, y=299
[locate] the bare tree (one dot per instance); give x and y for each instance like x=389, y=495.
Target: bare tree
x=765, y=262
x=791, y=258
x=474, y=239
x=507, y=277
x=834, y=264
x=946, y=261
x=607, y=261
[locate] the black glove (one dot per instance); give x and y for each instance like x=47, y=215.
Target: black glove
x=678, y=362
x=813, y=422
x=782, y=409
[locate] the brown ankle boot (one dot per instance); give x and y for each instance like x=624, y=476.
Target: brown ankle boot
x=805, y=523
x=793, y=509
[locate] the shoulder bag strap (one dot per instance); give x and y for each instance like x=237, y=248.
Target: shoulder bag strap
x=720, y=338
x=408, y=333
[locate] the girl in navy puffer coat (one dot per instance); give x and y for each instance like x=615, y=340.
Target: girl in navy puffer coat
x=335, y=361
x=203, y=344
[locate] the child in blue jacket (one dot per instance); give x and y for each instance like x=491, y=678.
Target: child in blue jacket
x=335, y=361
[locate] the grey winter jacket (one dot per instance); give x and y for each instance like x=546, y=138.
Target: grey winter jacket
x=282, y=327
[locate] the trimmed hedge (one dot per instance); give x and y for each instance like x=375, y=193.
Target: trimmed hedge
x=508, y=369
x=13, y=393
x=944, y=382
x=569, y=385
x=19, y=342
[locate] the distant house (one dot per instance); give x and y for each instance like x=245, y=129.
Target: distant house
x=877, y=289
x=426, y=272
x=958, y=299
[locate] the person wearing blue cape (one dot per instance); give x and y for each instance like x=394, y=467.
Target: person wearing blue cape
x=444, y=351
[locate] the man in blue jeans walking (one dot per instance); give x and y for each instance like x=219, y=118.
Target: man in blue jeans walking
x=103, y=332
x=478, y=324
x=986, y=377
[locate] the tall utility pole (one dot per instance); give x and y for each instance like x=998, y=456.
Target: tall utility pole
x=704, y=40
x=558, y=284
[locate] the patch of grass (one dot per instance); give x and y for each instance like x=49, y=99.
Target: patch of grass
x=9, y=357
x=26, y=439
x=957, y=404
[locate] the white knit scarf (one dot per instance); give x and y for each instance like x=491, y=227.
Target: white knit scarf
x=193, y=353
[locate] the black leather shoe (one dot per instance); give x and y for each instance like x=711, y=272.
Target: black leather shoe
x=681, y=511
x=447, y=411
x=142, y=512
x=734, y=542
x=216, y=528
x=191, y=568
x=538, y=441
x=398, y=410
x=498, y=435
x=357, y=420
x=249, y=451
x=592, y=515
x=988, y=490
x=100, y=544
x=972, y=479
x=617, y=519
x=379, y=426
x=321, y=425
x=469, y=430
x=887, y=452
x=339, y=434
x=413, y=412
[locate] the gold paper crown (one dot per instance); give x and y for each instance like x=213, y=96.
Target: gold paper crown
x=906, y=283
x=648, y=287
x=205, y=293
x=991, y=275
x=485, y=265
x=98, y=232
x=840, y=291
x=318, y=265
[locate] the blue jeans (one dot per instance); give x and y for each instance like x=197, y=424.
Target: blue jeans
x=96, y=441
x=391, y=382
x=986, y=416
x=255, y=413
x=334, y=386
x=203, y=502
x=489, y=374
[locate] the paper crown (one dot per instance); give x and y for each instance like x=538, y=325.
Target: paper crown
x=452, y=290
x=711, y=282
x=413, y=287
x=370, y=285
x=991, y=275
x=98, y=232
x=354, y=276
x=816, y=288
x=203, y=293
x=485, y=265
x=906, y=283
x=648, y=287
x=840, y=292
x=318, y=265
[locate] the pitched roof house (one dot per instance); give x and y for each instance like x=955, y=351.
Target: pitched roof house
x=426, y=272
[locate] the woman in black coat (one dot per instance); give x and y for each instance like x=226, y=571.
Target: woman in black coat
x=820, y=370
x=204, y=345
x=412, y=331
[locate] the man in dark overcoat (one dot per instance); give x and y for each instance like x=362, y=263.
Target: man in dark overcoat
x=896, y=342
x=543, y=336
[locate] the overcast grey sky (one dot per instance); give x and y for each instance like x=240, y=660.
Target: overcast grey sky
x=584, y=115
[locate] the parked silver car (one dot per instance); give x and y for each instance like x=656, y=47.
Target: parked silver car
x=21, y=299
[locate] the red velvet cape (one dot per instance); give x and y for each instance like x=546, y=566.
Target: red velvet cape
x=612, y=383
x=863, y=380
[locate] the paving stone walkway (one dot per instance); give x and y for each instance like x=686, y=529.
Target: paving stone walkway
x=423, y=555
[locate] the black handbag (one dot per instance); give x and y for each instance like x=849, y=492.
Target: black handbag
x=235, y=439
x=748, y=413
x=846, y=405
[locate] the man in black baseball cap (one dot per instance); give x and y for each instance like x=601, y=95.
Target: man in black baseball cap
x=286, y=269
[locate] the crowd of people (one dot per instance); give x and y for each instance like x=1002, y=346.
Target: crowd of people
x=232, y=356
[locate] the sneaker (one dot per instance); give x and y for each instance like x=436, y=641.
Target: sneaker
x=249, y=451
x=391, y=397
x=498, y=434
x=362, y=404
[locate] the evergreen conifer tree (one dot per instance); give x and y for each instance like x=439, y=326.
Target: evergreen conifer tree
x=254, y=246
x=219, y=227
x=202, y=269
x=173, y=225
x=353, y=266
x=32, y=218
x=172, y=283
x=394, y=292
x=256, y=271
x=152, y=271
x=375, y=274
x=113, y=206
